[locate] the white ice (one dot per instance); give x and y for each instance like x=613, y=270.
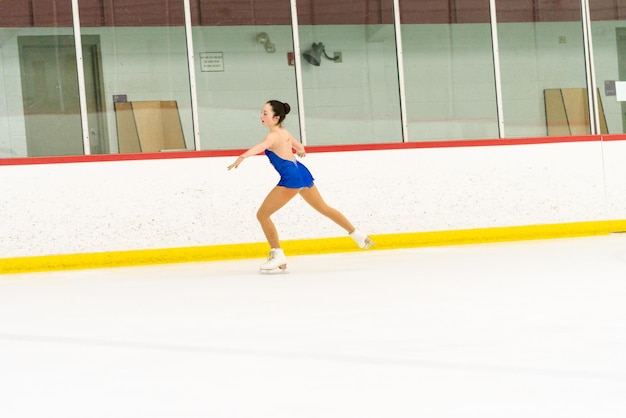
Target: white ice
x=525, y=329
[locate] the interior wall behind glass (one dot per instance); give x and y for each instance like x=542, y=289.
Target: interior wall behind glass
x=448, y=63
x=144, y=76
x=450, y=86
x=535, y=56
x=230, y=98
x=45, y=119
x=609, y=49
x=12, y=122
x=145, y=64
x=12, y=132
x=355, y=100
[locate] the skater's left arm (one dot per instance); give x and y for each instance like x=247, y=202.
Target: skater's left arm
x=297, y=145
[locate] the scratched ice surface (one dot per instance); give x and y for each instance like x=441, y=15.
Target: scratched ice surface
x=524, y=329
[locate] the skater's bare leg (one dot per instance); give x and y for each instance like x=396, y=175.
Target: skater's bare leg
x=312, y=196
x=276, y=199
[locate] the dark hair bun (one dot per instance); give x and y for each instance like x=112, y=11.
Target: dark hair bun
x=287, y=108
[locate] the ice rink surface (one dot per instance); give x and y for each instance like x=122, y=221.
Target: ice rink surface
x=525, y=329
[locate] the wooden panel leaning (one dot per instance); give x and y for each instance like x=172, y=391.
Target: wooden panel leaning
x=148, y=126
x=567, y=112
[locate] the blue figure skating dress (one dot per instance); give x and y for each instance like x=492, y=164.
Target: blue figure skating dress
x=293, y=174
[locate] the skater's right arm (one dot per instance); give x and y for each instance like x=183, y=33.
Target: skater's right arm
x=256, y=149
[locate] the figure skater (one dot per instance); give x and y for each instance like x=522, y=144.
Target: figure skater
x=294, y=178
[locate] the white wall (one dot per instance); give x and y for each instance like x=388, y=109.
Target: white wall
x=110, y=206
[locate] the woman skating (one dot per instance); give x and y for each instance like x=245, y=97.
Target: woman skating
x=295, y=178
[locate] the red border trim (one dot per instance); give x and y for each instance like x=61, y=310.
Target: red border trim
x=616, y=137
x=311, y=149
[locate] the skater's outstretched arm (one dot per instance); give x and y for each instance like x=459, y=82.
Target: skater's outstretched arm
x=254, y=150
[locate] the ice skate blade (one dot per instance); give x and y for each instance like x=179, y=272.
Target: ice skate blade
x=282, y=269
x=369, y=243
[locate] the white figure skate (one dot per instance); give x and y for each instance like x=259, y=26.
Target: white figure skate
x=361, y=239
x=275, y=260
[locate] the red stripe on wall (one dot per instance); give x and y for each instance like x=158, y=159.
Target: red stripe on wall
x=310, y=149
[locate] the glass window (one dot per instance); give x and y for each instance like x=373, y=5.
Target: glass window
x=542, y=62
x=608, y=29
x=39, y=110
x=138, y=89
x=243, y=59
x=448, y=62
x=350, y=78
x=136, y=76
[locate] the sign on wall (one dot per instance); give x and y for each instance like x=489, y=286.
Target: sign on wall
x=212, y=61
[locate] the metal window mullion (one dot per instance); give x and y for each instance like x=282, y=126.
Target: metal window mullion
x=298, y=69
x=401, y=79
x=496, y=67
x=594, y=111
x=80, y=70
x=192, y=77
x=594, y=82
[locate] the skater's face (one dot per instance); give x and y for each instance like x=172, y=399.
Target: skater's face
x=267, y=116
